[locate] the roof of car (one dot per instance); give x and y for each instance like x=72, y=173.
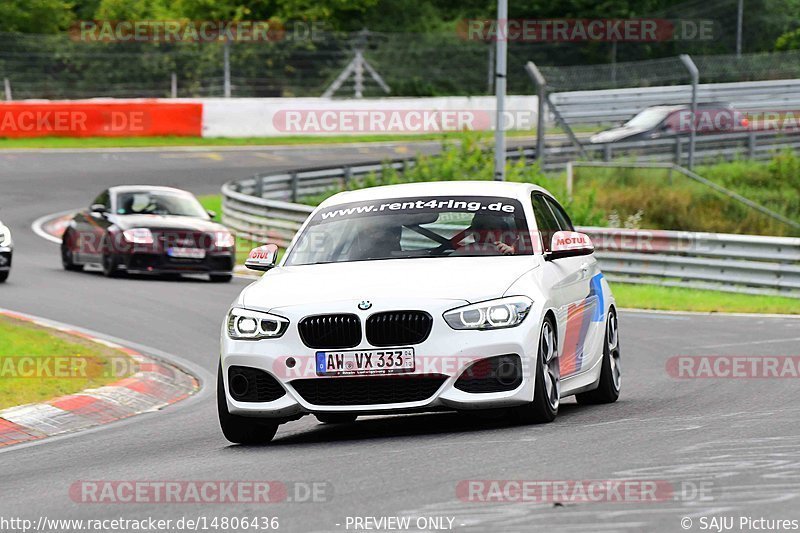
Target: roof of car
x=436, y=188
x=146, y=188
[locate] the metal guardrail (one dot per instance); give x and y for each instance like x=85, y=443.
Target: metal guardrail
x=613, y=105
x=758, y=145
x=260, y=209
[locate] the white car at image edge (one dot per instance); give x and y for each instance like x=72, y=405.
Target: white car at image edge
x=420, y=297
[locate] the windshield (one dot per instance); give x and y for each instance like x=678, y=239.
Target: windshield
x=403, y=228
x=159, y=203
x=647, y=119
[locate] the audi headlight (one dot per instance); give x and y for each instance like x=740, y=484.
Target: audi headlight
x=5, y=236
x=138, y=236
x=244, y=324
x=224, y=239
x=493, y=314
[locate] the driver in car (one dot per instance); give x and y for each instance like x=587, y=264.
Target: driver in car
x=492, y=231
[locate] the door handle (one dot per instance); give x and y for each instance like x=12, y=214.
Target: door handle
x=584, y=267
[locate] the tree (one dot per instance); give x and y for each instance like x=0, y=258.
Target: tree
x=35, y=16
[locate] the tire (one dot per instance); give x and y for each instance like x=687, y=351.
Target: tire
x=242, y=429
x=547, y=385
x=220, y=278
x=67, y=260
x=4, y=275
x=608, y=388
x=110, y=261
x=336, y=418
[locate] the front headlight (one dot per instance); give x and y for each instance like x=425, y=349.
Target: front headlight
x=224, y=239
x=493, y=314
x=138, y=236
x=5, y=236
x=244, y=324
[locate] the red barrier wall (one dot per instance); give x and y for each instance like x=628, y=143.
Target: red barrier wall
x=145, y=118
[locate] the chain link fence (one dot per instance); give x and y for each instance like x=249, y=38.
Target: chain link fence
x=447, y=62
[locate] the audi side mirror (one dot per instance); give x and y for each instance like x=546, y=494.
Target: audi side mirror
x=262, y=258
x=98, y=209
x=569, y=244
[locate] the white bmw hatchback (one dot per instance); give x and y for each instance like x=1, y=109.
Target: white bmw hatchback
x=420, y=297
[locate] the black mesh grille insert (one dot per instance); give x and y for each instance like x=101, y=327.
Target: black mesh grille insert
x=495, y=374
x=368, y=390
x=330, y=331
x=247, y=384
x=396, y=328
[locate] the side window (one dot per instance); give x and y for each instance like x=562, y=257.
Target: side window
x=104, y=199
x=545, y=221
x=561, y=216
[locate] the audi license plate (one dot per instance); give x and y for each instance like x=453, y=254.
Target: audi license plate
x=361, y=362
x=186, y=253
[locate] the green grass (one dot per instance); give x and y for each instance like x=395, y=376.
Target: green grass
x=681, y=299
x=141, y=142
x=23, y=339
x=170, y=141
x=212, y=202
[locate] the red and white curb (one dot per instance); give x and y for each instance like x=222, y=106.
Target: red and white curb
x=155, y=385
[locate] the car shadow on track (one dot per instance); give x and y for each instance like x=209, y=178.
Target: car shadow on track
x=399, y=426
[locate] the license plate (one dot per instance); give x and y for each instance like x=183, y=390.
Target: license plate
x=187, y=253
x=365, y=362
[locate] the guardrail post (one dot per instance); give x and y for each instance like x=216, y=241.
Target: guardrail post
x=570, y=178
x=541, y=99
x=258, y=186
x=295, y=183
x=695, y=76
x=751, y=145
x=607, y=153
x=678, y=149
x=348, y=175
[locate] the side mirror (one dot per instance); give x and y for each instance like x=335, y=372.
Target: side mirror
x=569, y=244
x=262, y=258
x=98, y=209
x=212, y=214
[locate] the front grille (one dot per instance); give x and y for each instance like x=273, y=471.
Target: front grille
x=395, y=328
x=368, y=390
x=330, y=331
x=247, y=384
x=495, y=374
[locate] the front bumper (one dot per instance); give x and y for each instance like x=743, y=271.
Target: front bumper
x=445, y=354
x=160, y=263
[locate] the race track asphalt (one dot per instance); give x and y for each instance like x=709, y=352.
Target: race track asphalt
x=736, y=439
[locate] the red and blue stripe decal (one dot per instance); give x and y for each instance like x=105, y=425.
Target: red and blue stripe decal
x=579, y=318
